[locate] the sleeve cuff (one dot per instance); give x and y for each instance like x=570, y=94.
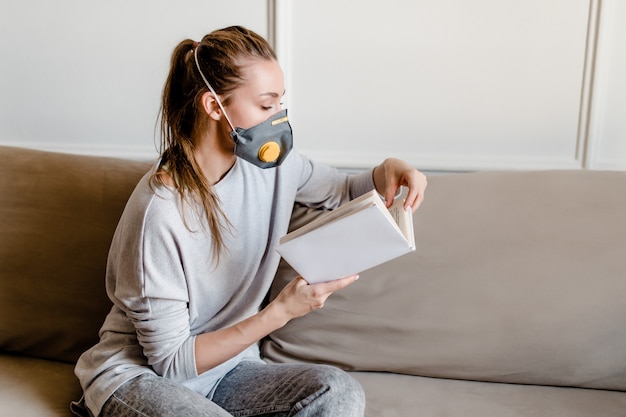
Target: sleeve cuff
x=361, y=183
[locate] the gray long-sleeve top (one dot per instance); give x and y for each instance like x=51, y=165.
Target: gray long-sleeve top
x=166, y=287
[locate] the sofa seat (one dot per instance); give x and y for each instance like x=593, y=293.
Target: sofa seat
x=393, y=395
x=31, y=387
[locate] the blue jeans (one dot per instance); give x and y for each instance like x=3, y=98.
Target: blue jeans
x=251, y=389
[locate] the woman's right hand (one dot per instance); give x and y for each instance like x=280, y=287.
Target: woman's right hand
x=295, y=300
x=299, y=298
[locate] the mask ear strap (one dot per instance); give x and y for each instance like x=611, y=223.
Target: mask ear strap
x=219, y=102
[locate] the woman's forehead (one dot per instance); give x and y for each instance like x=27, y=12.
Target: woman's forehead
x=263, y=77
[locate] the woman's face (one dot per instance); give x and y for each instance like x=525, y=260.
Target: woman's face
x=259, y=97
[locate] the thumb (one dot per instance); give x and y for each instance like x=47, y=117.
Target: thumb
x=391, y=192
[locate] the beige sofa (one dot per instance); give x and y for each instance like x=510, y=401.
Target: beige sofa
x=514, y=303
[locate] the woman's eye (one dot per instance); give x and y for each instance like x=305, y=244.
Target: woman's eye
x=272, y=106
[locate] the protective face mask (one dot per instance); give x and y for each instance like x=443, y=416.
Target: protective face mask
x=265, y=145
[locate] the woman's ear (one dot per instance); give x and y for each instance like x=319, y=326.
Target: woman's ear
x=210, y=106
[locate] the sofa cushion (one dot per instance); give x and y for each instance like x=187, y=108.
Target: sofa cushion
x=518, y=277
x=57, y=218
x=31, y=387
x=391, y=395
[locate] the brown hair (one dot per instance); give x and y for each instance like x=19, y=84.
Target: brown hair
x=220, y=57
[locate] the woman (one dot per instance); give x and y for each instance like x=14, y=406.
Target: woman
x=192, y=257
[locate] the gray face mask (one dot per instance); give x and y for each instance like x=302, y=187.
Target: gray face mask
x=265, y=145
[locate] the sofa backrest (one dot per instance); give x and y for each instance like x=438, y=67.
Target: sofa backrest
x=518, y=277
x=57, y=217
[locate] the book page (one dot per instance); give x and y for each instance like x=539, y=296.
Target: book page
x=404, y=220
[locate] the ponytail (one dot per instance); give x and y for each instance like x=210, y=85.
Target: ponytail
x=181, y=95
x=220, y=56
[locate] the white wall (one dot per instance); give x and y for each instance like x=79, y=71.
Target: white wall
x=450, y=84
x=447, y=85
x=86, y=76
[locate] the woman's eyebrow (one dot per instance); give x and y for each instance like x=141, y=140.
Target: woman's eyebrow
x=272, y=94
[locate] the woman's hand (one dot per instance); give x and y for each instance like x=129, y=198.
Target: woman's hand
x=299, y=298
x=392, y=174
x=295, y=300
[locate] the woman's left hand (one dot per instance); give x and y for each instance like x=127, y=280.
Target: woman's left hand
x=392, y=174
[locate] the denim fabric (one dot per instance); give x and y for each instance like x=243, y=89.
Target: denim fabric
x=251, y=389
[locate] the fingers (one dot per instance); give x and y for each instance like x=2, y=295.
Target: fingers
x=387, y=180
x=330, y=287
x=390, y=195
x=321, y=291
x=395, y=176
x=417, y=188
x=399, y=173
x=300, y=298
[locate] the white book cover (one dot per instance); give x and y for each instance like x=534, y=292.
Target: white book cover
x=350, y=239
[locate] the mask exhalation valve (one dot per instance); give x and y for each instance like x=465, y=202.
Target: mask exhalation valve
x=269, y=151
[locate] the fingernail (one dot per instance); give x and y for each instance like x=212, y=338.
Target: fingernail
x=356, y=277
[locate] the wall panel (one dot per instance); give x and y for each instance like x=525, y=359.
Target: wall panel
x=447, y=85
x=607, y=133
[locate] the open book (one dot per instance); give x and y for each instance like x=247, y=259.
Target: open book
x=357, y=236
